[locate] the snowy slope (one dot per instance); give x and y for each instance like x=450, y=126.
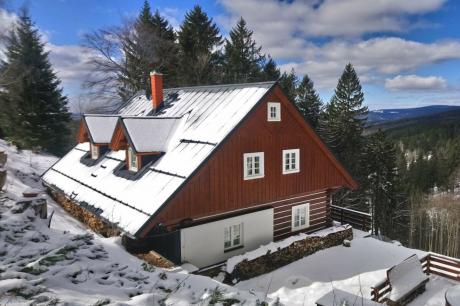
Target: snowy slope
x=354, y=269
x=68, y=265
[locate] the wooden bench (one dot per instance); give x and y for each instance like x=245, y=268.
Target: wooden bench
x=406, y=281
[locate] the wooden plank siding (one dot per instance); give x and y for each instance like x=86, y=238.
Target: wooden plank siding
x=282, y=218
x=218, y=187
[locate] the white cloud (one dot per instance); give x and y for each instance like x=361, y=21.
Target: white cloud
x=374, y=59
x=7, y=20
x=71, y=62
x=332, y=18
x=288, y=32
x=415, y=82
x=72, y=66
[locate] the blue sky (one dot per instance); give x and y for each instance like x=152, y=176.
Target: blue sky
x=406, y=52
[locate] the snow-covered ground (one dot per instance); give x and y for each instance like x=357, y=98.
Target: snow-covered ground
x=353, y=269
x=68, y=265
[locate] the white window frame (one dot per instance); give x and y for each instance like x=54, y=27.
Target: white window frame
x=288, y=167
x=94, y=151
x=297, y=210
x=277, y=107
x=248, y=168
x=231, y=232
x=132, y=167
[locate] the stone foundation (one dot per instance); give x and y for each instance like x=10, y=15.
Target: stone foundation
x=271, y=261
x=96, y=224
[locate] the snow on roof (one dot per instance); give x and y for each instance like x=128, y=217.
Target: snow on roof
x=100, y=128
x=209, y=114
x=151, y=134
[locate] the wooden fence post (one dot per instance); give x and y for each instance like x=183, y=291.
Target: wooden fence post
x=428, y=263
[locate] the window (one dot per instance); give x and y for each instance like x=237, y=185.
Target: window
x=253, y=165
x=300, y=217
x=132, y=160
x=291, y=161
x=273, y=111
x=233, y=236
x=94, y=151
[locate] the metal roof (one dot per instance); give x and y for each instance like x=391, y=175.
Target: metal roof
x=209, y=114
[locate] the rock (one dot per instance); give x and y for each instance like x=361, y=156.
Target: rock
x=3, y=158
x=30, y=193
x=2, y=177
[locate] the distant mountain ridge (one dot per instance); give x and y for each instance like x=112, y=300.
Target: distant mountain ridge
x=385, y=115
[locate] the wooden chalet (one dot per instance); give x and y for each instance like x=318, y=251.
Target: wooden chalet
x=200, y=174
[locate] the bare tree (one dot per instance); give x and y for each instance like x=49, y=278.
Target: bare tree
x=108, y=61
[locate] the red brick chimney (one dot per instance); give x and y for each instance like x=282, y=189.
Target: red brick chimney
x=156, y=80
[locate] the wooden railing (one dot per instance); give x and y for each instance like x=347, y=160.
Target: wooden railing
x=432, y=263
x=357, y=219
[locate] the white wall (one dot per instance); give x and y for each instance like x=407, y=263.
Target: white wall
x=203, y=245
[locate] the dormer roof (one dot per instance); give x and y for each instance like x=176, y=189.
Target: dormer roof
x=99, y=128
x=150, y=134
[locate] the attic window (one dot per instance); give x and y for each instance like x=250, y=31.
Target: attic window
x=273, y=111
x=132, y=160
x=94, y=151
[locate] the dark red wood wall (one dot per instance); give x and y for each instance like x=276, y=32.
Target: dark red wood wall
x=219, y=187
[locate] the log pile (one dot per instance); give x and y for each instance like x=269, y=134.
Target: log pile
x=106, y=229
x=247, y=269
x=3, y=159
x=156, y=260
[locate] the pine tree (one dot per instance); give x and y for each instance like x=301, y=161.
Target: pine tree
x=288, y=83
x=149, y=45
x=309, y=102
x=341, y=127
x=270, y=70
x=242, y=57
x=198, y=39
x=344, y=119
x=34, y=110
x=382, y=185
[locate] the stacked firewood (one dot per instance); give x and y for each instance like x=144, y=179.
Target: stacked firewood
x=96, y=224
x=3, y=158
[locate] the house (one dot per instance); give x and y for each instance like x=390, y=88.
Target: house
x=201, y=174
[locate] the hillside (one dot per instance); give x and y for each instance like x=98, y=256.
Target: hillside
x=386, y=115
x=431, y=149
x=411, y=125
x=67, y=264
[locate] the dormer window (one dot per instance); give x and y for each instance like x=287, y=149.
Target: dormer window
x=132, y=160
x=273, y=111
x=94, y=151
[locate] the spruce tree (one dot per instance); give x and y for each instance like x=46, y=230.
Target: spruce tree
x=344, y=119
x=341, y=127
x=34, y=110
x=149, y=45
x=309, y=102
x=270, y=70
x=382, y=186
x=288, y=83
x=198, y=39
x=242, y=57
